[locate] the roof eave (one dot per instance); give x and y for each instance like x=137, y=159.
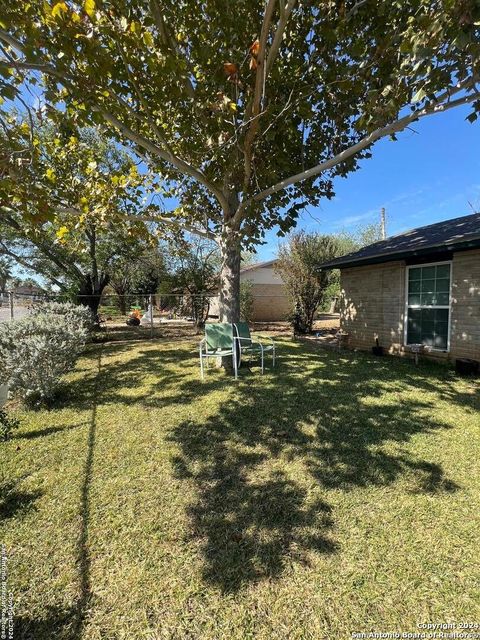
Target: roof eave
x=402, y=255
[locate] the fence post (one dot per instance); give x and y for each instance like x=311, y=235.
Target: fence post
x=10, y=296
x=151, y=315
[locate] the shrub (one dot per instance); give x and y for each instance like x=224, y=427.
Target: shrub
x=37, y=350
x=7, y=425
x=306, y=284
x=73, y=313
x=246, y=301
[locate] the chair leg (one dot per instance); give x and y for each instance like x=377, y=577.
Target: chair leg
x=235, y=367
x=262, y=361
x=273, y=356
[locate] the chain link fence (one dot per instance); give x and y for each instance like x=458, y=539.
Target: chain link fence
x=141, y=316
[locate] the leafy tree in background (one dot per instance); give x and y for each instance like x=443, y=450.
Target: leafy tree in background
x=246, y=301
x=306, y=284
x=247, y=114
x=349, y=241
x=140, y=273
x=68, y=171
x=5, y=273
x=195, y=268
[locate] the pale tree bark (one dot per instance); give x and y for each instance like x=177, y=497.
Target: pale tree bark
x=229, y=293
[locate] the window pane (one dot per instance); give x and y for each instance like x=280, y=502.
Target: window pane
x=442, y=284
x=414, y=286
x=428, y=315
x=443, y=298
x=428, y=299
x=414, y=274
x=428, y=285
x=443, y=271
x=414, y=299
x=440, y=341
x=441, y=315
x=428, y=272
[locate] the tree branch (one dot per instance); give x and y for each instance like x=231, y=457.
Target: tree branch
x=202, y=233
x=277, y=38
x=169, y=42
x=443, y=104
x=253, y=110
x=11, y=41
x=182, y=166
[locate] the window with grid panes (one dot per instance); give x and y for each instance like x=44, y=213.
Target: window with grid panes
x=428, y=305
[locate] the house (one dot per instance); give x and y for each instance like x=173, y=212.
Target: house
x=29, y=290
x=418, y=287
x=270, y=302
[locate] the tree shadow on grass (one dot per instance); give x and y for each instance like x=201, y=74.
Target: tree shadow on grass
x=47, y=431
x=68, y=623
x=322, y=412
x=15, y=502
x=55, y=623
x=255, y=512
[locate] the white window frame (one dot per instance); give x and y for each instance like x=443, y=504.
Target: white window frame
x=432, y=306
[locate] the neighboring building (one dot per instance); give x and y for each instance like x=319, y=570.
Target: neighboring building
x=33, y=291
x=270, y=302
x=419, y=287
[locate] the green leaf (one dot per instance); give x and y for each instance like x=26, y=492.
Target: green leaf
x=148, y=38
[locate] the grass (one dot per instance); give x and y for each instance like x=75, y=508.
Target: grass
x=338, y=494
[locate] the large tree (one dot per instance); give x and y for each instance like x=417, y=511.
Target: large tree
x=195, y=267
x=60, y=203
x=248, y=110
x=5, y=272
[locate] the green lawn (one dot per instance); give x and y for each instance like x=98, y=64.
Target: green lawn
x=340, y=493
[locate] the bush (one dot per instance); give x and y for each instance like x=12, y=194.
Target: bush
x=73, y=313
x=7, y=425
x=307, y=285
x=37, y=350
x=246, y=301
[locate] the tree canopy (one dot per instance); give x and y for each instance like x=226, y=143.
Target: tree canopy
x=84, y=181
x=248, y=112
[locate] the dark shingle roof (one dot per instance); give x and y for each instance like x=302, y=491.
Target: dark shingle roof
x=459, y=233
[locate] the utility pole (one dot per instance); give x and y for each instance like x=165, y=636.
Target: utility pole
x=383, y=222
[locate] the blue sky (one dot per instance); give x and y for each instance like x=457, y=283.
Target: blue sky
x=424, y=177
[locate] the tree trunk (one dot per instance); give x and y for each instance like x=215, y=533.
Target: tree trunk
x=122, y=304
x=90, y=294
x=229, y=293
